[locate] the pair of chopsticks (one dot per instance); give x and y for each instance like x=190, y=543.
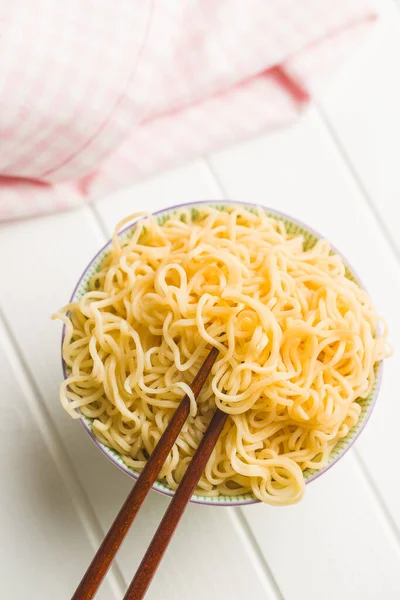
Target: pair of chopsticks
x=118, y=530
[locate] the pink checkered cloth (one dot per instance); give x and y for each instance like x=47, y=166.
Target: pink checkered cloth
x=96, y=93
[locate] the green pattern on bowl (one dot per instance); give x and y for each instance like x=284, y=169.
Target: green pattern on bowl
x=310, y=238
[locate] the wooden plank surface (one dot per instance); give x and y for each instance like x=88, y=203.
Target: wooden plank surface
x=42, y=536
x=332, y=544
x=362, y=110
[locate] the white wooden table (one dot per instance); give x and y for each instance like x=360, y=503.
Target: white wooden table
x=338, y=170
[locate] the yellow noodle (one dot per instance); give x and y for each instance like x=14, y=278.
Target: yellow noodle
x=297, y=343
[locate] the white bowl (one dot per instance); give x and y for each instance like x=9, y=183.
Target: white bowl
x=292, y=226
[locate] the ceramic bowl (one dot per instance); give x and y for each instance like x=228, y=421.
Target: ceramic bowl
x=292, y=226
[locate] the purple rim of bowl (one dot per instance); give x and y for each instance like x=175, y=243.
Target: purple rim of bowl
x=282, y=215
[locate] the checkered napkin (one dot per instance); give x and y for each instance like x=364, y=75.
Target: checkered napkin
x=97, y=93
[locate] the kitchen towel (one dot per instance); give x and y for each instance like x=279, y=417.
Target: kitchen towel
x=97, y=93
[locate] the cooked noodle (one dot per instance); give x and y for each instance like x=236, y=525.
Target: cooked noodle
x=297, y=341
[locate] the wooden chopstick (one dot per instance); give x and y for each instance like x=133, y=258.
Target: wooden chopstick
x=175, y=510
x=118, y=530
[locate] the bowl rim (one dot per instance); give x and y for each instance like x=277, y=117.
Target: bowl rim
x=211, y=500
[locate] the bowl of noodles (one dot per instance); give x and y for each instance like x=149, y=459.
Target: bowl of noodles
x=300, y=360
